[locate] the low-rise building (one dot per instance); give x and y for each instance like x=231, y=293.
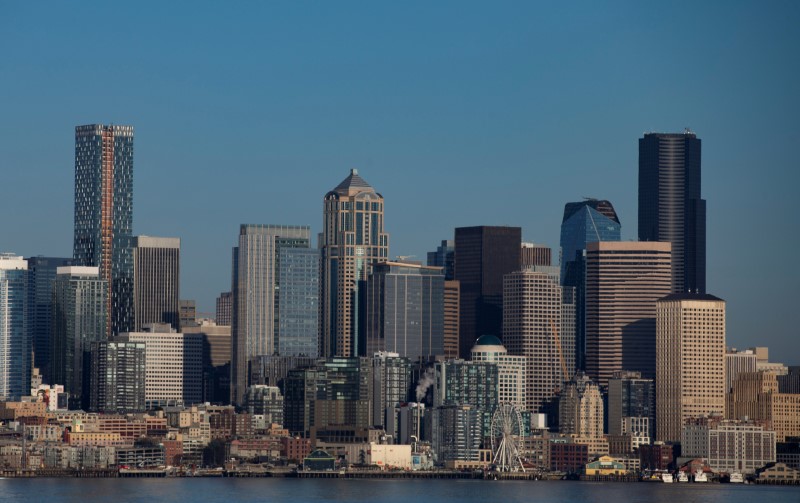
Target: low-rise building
x=605, y=465
x=729, y=446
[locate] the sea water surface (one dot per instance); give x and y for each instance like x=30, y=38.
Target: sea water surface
x=228, y=490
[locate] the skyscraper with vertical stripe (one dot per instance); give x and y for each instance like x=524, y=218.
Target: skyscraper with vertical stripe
x=104, y=214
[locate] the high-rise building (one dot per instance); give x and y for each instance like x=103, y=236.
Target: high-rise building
x=15, y=340
x=459, y=382
x=173, y=365
x=511, y=370
x=216, y=360
x=41, y=274
x=256, y=295
x=757, y=396
x=532, y=327
x=224, y=309
x=584, y=222
x=532, y=254
x=118, y=376
x=456, y=432
x=580, y=413
x=483, y=255
x=391, y=375
x=737, y=362
x=298, y=302
x=633, y=398
x=187, y=312
x=403, y=310
x=690, y=361
x=156, y=277
x=670, y=205
x=444, y=257
x=104, y=214
x=452, y=299
x=353, y=239
x=79, y=319
x=623, y=282
x=265, y=401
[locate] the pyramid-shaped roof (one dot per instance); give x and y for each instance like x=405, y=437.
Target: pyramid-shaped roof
x=353, y=184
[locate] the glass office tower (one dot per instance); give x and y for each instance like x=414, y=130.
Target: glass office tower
x=104, y=214
x=15, y=341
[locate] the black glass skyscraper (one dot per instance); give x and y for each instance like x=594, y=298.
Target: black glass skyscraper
x=670, y=206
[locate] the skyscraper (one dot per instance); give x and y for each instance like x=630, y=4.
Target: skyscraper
x=452, y=300
x=256, y=288
x=156, y=273
x=444, y=257
x=532, y=327
x=483, y=256
x=79, y=319
x=580, y=413
x=15, y=341
x=690, y=361
x=404, y=310
x=623, y=282
x=298, y=302
x=584, y=222
x=117, y=384
x=41, y=274
x=353, y=239
x=104, y=214
x=633, y=398
x=670, y=204
x=533, y=254
x=224, y=309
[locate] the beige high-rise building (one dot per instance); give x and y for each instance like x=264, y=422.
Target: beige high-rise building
x=533, y=328
x=737, y=362
x=352, y=240
x=452, y=298
x=156, y=275
x=755, y=395
x=690, y=361
x=580, y=413
x=624, y=279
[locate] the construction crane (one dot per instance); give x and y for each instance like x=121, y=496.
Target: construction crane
x=560, y=353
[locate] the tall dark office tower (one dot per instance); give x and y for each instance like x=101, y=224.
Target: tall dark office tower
x=353, y=239
x=404, y=310
x=670, y=206
x=104, y=214
x=41, y=273
x=444, y=257
x=584, y=222
x=156, y=273
x=224, y=308
x=483, y=255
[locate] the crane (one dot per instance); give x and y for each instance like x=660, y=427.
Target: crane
x=560, y=353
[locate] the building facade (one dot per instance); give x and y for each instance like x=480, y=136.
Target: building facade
x=156, y=281
x=512, y=370
x=403, y=310
x=444, y=257
x=391, y=376
x=118, y=377
x=670, y=205
x=104, y=214
x=15, y=340
x=451, y=318
x=353, y=239
x=41, y=274
x=580, y=409
x=256, y=294
x=79, y=319
x=532, y=328
x=631, y=405
x=729, y=446
x=623, y=282
x=483, y=255
x=690, y=361
x=459, y=382
x=298, y=303
x=584, y=222
x=224, y=309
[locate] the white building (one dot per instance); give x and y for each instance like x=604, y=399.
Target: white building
x=512, y=370
x=728, y=446
x=173, y=365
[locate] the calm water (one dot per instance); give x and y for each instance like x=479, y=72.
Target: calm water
x=405, y=491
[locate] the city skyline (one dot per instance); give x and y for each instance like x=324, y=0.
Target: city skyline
x=512, y=164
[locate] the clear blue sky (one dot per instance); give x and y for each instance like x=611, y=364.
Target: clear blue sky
x=459, y=113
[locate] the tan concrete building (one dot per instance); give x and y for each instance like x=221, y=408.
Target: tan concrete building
x=532, y=327
x=351, y=241
x=452, y=299
x=755, y=395
x=580, y=413
x=737, y=362
x=690, y=361
x=624, y=279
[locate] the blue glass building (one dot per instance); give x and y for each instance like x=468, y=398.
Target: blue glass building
x=41, y=274
x=584, y=222
x=298, y=309
x=15, y=340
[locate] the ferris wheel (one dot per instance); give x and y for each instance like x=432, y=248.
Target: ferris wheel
x=506, y=434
